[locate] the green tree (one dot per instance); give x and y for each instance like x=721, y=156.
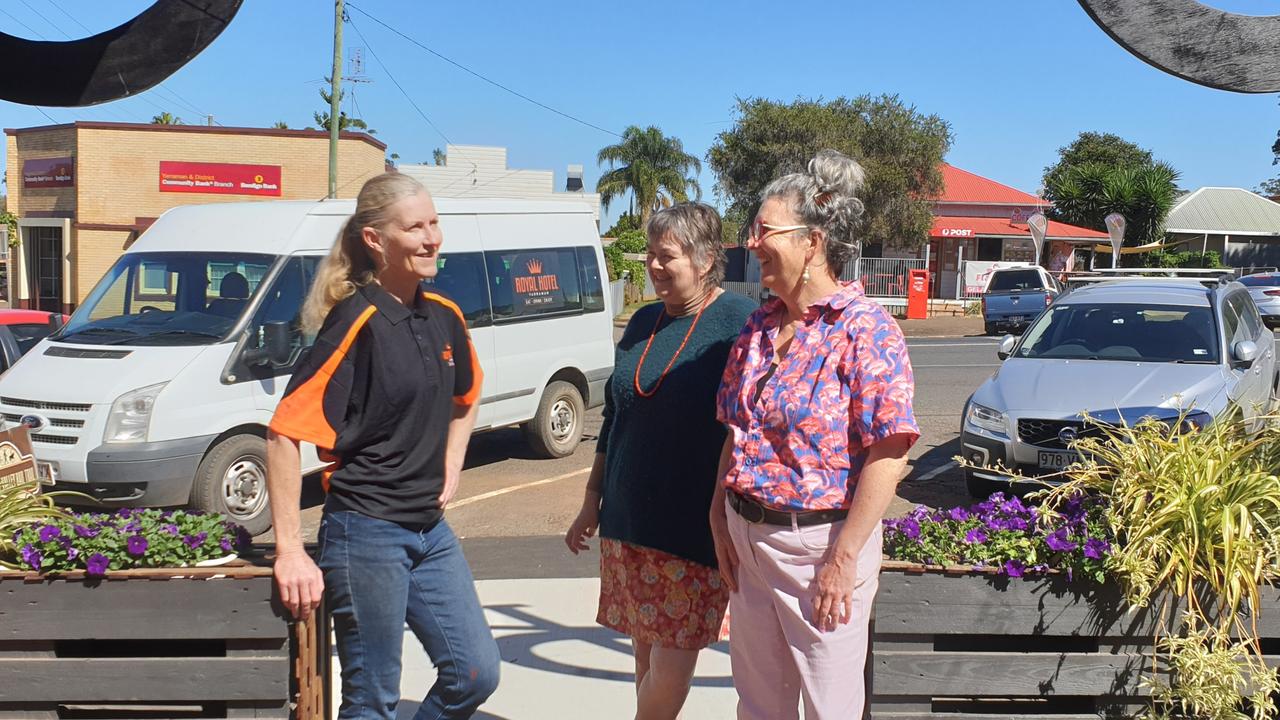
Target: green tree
x=1085, y=194
x=166, y=118
x=1100, y=148
x=626, y=221
x=280, y=125
x=653, y=167
x=438, y=157
x=900, y=149
x=1269, y=188
x=344, y=121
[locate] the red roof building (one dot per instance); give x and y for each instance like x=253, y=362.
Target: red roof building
x=979, y=219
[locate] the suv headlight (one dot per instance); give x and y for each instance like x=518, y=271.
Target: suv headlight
x=131, y=415
x=986, y=418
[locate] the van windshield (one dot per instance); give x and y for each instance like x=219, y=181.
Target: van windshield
x=168, y=298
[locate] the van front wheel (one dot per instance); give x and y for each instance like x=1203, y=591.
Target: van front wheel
x=232, y=480
x=555, y=431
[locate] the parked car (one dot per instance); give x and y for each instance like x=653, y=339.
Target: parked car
x=1015, y=296
x=20, y=330
x=158, y=390
x=1265, y=289
x=1119, y=350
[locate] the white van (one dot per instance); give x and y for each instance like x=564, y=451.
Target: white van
x=158, y=390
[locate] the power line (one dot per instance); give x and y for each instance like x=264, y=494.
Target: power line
x=73, y=17
x=42, y=17
x=495, y=83
x=47, y=116
x=33, y=31
x=395, y=82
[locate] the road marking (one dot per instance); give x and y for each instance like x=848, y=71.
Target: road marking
x=935, y=472
x=495, y=493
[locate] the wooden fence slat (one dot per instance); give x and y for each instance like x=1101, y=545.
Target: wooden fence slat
x=166, y=679
x=946, y=674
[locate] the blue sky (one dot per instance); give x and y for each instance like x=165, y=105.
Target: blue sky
x=1016, y=79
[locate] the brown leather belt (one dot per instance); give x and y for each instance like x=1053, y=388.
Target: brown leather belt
x=754, y=512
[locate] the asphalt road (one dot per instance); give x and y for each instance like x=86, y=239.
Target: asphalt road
x=512, y=509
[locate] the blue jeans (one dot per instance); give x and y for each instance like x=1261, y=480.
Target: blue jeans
x=379, y=575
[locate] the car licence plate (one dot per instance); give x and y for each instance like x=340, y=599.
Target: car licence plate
x=1017, y=318
x=46, y=472
x=1056, y=460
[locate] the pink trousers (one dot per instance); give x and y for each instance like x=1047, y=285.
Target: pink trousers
x=779, y=658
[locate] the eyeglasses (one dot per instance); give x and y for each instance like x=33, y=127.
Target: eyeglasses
x=760, y=230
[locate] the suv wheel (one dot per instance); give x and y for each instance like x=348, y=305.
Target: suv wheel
x=556, y=429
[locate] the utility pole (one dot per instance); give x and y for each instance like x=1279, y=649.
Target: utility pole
x=335, y=90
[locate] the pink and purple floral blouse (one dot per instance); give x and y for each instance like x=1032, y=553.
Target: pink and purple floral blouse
x=802, y=433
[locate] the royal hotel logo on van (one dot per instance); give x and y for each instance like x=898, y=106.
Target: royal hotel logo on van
x=220, y=178
x=535, y=281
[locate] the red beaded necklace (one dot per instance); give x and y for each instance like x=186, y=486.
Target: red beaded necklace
x=650, y=393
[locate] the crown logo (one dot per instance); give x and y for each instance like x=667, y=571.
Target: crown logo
x=534, y=267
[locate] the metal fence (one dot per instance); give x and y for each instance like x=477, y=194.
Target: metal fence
x=882, y=277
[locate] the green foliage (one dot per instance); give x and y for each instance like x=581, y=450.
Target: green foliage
x=631, y=241
x=1085, y=194
x=900, y=149
x=166, y=118
x=1196, y=516
x=437, y=157
x=626, y=221
x=10, y=222
x=1096, y=148
x=652, y=166
x=20, y=507
x=96, y=542
x=344, y=122
x=280, y=125
x=1187, y=259
x=1269, y=188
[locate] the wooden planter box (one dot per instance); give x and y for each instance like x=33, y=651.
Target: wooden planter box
x=182, y=642
x=952, y=643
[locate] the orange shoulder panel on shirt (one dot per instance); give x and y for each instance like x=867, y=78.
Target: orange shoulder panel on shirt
x=477, y=375
x=300, y=415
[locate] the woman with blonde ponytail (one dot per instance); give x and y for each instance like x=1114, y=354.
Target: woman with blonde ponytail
x=389, y=393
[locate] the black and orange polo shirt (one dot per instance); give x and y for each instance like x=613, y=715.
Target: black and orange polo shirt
x=375, y=393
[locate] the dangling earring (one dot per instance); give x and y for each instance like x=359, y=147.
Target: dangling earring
x=804, y=278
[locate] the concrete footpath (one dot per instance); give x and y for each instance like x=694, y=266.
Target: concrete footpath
x=557, y=663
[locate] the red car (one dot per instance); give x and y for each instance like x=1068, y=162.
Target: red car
x=20, y=330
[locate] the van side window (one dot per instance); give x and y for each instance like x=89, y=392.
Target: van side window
x=530, y=283
x=592, y=284
x=461, y=278
x=282, y=302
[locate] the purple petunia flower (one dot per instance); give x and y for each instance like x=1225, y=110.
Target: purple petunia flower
x=170, y=529
x=195, y=541
x=243, y=538
x=32, y=556
x=72, y=553
x=1094, y=548
x=975, y=536
x=1016, y=523
x=959, y=514
x=226, y=546
x=132, y=527
x=1014, y=568
x=97, y=564
x=1059, y=542
x=137, y=545
x=910, y=529
x=85, y=532
x=49, y=533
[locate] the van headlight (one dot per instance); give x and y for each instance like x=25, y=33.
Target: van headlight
x=986, y=418
x=131, y=415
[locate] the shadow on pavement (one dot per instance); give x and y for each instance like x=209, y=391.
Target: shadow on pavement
x=408, y=708
x=521, y=638
x=943, y=490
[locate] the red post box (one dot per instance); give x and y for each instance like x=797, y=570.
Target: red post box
x=918, y=295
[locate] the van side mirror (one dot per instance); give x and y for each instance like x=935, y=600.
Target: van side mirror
x=277, y=346
x=1245, y=352
x=1007, y=344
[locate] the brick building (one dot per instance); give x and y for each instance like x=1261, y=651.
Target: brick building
x=84, y=191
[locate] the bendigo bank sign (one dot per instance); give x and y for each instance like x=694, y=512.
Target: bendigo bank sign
x=48, y=173
x=219, y=178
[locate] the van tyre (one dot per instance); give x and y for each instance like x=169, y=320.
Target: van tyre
x=232, y=480
x=555, y=431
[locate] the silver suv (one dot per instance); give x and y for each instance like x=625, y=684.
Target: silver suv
x=1120, y=350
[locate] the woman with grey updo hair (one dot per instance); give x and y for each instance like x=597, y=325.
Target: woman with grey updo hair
x=817, y=392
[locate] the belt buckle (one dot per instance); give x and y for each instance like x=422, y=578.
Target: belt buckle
x=755, y=516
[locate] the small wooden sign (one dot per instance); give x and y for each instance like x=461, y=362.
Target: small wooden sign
x=17, y=461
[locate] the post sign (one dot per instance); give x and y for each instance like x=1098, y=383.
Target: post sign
x=48, y=172
x=17, y=463
x=219, y=178
x=535, y=282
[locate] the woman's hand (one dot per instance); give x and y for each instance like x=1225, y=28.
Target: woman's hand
x=726, y=555
x=833, y=601
x=585, y=525
x=300, y=582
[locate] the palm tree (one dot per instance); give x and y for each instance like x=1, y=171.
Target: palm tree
x=280, y=125
x=653, y=167
x=1144, y=194
x=166, y=118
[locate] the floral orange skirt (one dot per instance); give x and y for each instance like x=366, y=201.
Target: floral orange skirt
x=659, y=598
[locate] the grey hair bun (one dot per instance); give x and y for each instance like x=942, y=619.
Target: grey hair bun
x=826, y=197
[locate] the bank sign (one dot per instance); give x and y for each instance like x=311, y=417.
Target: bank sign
x=48, y=173
x=219, y=178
